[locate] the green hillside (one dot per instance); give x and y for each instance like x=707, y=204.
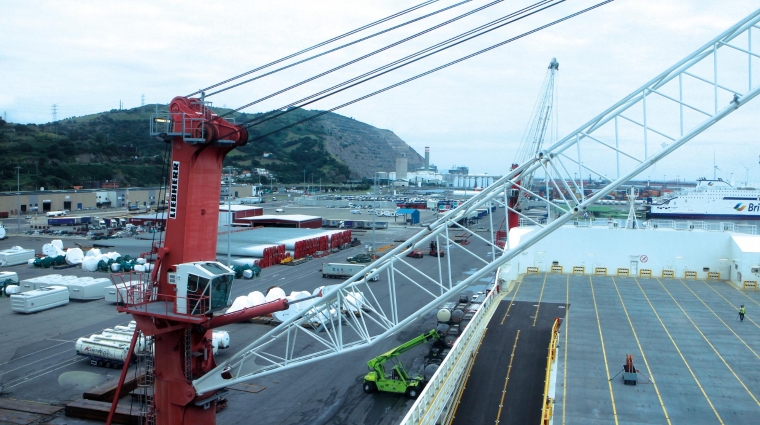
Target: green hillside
x=115, y=145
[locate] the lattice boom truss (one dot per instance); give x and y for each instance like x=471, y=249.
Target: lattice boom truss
x=617, y=145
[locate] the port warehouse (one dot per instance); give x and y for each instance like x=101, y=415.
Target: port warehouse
x=81, y=199
x=648, y=252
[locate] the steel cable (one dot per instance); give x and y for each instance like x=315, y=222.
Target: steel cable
x=330, y=51
x=399, y=61
x=464, y=58
x=318, y=45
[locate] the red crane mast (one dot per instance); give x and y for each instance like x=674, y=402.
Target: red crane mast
x=176, y=305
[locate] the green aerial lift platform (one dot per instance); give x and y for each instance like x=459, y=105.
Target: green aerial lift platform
x=398, y=380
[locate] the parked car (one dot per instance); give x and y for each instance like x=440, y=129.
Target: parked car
x=280, y=210
x=360, y=258
x=416, y=254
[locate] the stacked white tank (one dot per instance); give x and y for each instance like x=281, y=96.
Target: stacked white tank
x=354, y=302
x=109, y=348
x=94, y=256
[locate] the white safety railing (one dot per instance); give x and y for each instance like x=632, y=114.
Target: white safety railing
x=438, y=396
x=749, y=229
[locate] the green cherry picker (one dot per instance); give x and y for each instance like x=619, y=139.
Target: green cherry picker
x=398, y=380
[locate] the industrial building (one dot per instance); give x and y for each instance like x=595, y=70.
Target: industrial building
x=141, y=198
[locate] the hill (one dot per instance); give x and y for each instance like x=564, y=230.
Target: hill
x=116, y=146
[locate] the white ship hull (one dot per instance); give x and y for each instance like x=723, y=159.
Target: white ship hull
x=711, y=199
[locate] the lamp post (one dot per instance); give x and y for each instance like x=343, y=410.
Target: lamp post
x=18, y=199
x=374, y=214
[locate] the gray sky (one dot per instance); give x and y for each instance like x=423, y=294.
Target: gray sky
x=87, y=56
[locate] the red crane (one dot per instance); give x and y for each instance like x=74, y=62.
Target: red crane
x=176, y=304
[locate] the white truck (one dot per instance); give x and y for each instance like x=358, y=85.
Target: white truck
x=344, y=270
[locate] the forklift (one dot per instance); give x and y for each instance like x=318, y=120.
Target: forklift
x=398, y=380
x=434, y=251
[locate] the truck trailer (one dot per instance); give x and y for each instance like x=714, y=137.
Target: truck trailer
x=343, y=270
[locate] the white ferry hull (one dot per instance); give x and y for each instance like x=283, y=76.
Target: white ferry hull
x=711, y=199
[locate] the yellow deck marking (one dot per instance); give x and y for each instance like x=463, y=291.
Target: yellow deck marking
x=506, y=380
x=710, y=343
x=604, y=352
x=540, y=297
x=643, y=356
x=564, y=368
x=721, y=320
x=679, y=351
x=725, y=299
x=506, y=313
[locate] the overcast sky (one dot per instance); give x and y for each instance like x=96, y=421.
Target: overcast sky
x=88, y=56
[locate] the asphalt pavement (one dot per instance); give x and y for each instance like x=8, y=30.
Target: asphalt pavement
x=38, y=362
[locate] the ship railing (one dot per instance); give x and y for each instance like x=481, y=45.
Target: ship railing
x=551, y=371
x=141, y=297
x=525, y=222
x=709, y=226
x=439, y=399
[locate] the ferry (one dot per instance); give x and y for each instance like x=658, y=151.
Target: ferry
x=710, y=199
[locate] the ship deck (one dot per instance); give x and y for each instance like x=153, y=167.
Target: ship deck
x=696, y=359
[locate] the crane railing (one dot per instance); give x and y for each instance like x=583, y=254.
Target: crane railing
x=616, y=146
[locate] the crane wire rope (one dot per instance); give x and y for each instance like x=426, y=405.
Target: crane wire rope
x=462, y=59
x=360, y=58
x=514, y=16
x=328, y=51
x=454, y=41
x=318, y=45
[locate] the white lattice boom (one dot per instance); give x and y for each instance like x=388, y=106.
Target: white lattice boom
x=617, y=145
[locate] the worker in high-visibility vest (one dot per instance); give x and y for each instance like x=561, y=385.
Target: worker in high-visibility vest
x=741, y=313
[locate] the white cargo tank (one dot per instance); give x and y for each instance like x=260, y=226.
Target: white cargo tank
x=119, y=338
x=221, y=339
x=103, y=353
x=295, y=308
